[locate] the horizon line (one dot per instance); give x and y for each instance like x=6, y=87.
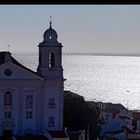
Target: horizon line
x=79, y=53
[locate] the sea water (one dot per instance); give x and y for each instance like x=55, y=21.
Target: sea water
x=113, y=79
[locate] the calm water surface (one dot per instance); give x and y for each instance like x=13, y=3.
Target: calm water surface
x=113, y=79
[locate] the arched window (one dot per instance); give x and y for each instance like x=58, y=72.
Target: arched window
x=51, y=60
x=7, y=99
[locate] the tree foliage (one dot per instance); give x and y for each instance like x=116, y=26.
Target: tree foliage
x=80, y=114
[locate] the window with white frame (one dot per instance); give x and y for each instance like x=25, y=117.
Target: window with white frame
x=7, y=115
x=29, y=101
x=51, y=103
x=8, y=99
x=51, y=121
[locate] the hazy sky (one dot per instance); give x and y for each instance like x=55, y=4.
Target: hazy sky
x=80, y=28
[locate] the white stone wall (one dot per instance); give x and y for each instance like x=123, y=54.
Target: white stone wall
x=29, y=123
x=41, y=93
x=18, y=90
x=53, y=91
x=22, y=82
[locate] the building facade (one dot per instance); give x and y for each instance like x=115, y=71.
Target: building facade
x=32, y=102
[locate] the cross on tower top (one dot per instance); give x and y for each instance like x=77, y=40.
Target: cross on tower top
x=50, y=22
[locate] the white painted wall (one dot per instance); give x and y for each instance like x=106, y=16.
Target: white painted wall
x=41, y=94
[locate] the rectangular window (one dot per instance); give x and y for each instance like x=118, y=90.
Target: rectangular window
x=7, y=115
x=29, y=101
x=7, y=99
x=51, y=103
x=51, y=121
x=28, y=114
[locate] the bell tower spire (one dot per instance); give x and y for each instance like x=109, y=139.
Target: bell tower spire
x=50, y=22
x=50, y=55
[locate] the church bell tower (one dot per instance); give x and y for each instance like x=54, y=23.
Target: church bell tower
x=50, y=68
x=50, y=55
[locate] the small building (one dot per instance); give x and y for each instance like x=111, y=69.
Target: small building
x=114, y=124
x=132, y=135
x=127, y=117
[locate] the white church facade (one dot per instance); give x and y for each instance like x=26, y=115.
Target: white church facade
x=32, y=102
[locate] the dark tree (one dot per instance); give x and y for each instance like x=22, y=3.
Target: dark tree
x=80, y=114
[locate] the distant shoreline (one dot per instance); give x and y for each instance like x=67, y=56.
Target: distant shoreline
x=103, y=54
x=78, y=53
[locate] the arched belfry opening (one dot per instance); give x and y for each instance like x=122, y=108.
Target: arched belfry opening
x=51, y=60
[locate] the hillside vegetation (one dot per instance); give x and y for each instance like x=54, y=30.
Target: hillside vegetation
x=80, y=114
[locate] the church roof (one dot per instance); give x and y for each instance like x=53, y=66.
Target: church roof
x=13, y=60
x=50, y=38
x=49, y=32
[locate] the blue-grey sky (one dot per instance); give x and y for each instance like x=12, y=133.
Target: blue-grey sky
x=80, y=28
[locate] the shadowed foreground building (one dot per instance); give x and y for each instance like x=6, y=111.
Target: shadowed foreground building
x=31, y=103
